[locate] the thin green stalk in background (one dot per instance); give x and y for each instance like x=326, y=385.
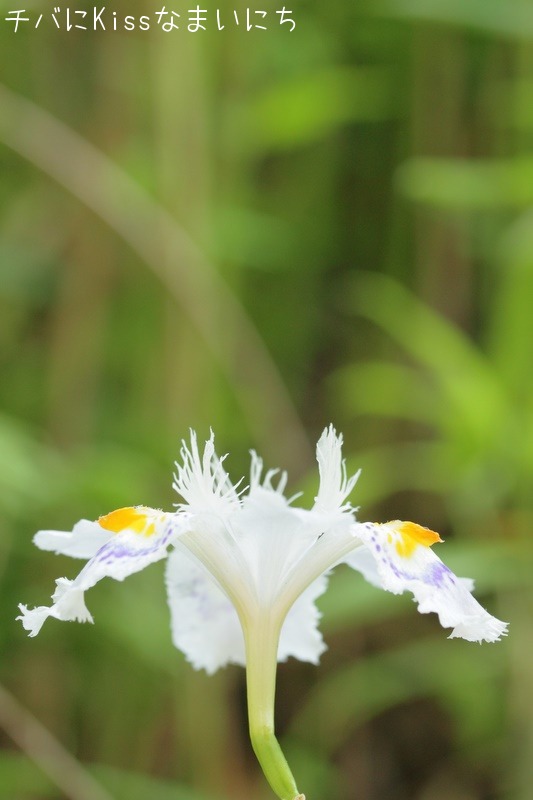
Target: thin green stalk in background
x=168, y=251
x=47, y=752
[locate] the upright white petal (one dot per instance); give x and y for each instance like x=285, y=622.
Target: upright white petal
x=142, y=536
x=300, y=636
x=202, y=481
x=404, y=562
x=83, y=541
x=335, y=486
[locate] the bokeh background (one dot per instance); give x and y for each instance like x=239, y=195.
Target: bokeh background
x=263, y=232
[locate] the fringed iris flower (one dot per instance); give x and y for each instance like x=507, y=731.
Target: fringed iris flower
x=244, y=568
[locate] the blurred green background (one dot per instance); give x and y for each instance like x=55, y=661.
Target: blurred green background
x=263, y=232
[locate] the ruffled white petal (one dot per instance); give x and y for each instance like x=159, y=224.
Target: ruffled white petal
x=335, y=486
x=68, y=604
x=202, y=481
x=403, y=563
x=204, y=623
x=83, y=541
x=300, y=636
x=126, y=552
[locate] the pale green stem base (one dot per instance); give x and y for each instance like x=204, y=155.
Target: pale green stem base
x=262, y=636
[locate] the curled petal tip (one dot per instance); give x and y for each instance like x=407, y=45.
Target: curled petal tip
x=482, y=629
x=399, y=558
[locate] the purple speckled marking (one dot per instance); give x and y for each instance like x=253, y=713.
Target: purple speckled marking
x=434, y=574
x=111, y=551
x=195, y=589
x=439, y=573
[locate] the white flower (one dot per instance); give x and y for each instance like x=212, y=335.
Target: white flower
x=236, y=554
x=245, y=568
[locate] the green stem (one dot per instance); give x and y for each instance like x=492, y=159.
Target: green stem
x=262, y=637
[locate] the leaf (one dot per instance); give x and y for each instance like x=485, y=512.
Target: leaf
x=463, y=184
x=476, y=403
x=308, y=108
x=386, y=389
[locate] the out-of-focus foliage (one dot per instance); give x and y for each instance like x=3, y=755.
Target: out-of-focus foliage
x=263, y=232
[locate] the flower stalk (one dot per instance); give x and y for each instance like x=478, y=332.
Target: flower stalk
x=261, y=634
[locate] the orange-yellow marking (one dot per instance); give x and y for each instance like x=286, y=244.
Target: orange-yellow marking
x=411, y=535
x=129, y=518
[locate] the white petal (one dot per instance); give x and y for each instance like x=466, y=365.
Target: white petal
x=203, y=482
x=128, y=551
x=335, y=486
x=405, y=562
x=206, y=627
x=363, y=560
x=69, y=604
x=82, y=541
x=300, y=636
x=204, y=623
x=273, y=537
x=256, y=470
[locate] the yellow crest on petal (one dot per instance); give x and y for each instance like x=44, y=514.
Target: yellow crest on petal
x=132, y=518
x=410, y=535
